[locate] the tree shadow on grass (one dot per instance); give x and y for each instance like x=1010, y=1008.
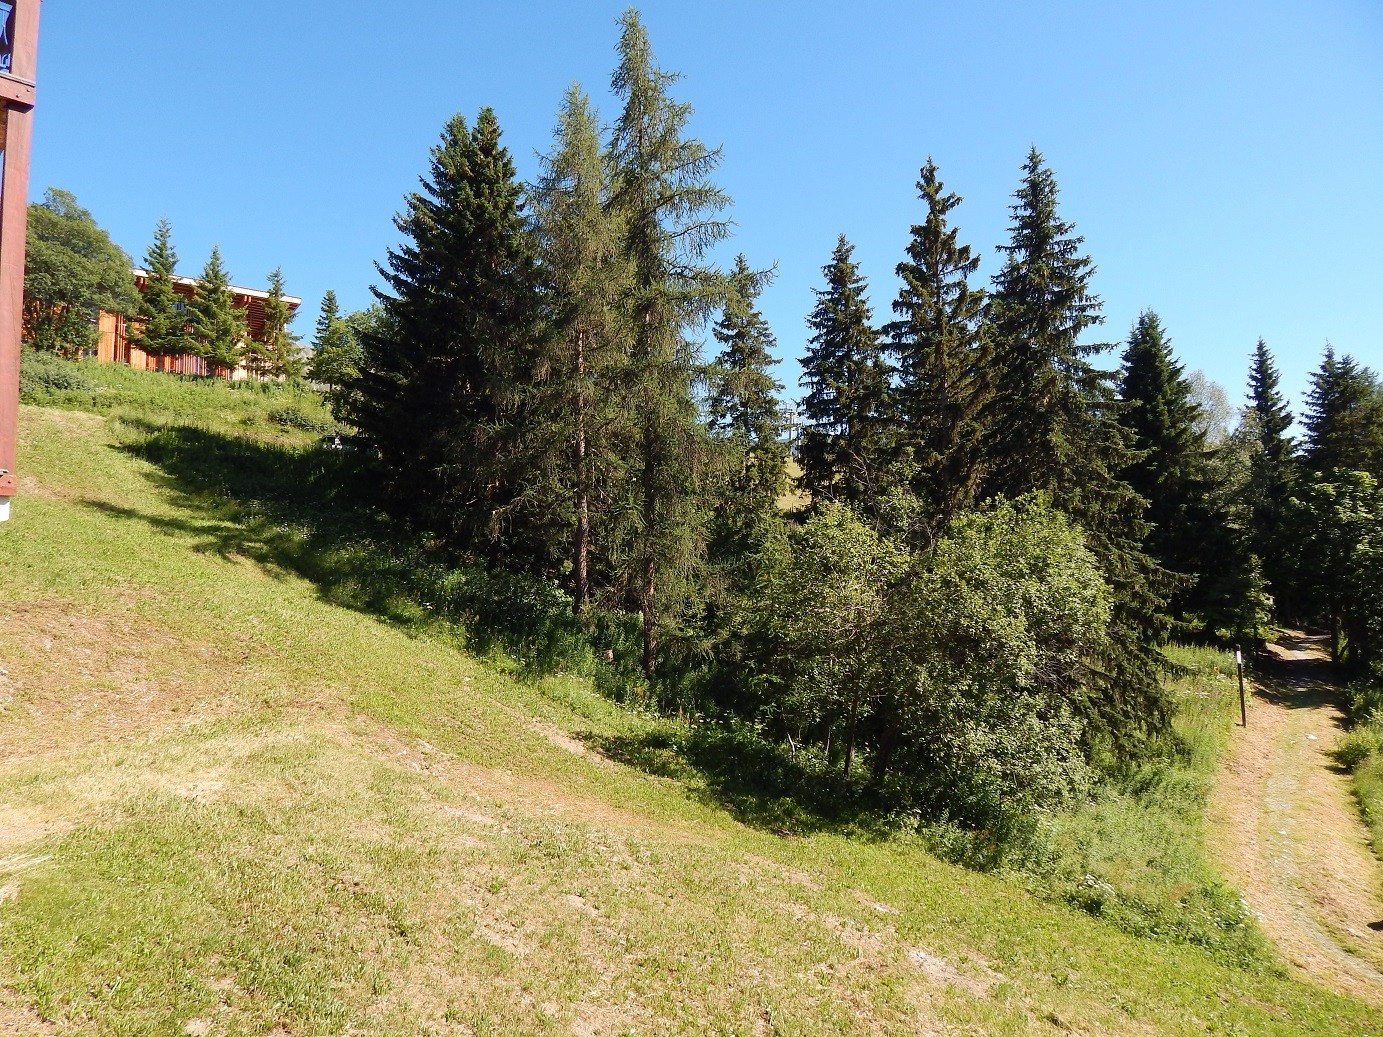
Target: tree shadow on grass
x=314, y=512
x=760, y=784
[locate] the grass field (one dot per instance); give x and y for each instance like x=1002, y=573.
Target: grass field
x=235, y=800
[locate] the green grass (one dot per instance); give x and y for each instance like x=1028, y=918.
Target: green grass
x=235, y=800
x=1136, y=855
x=1361, y=753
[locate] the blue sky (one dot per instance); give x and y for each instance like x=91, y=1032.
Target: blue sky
x=1223, y=161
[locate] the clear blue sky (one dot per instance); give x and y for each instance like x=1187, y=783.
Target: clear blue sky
x=1224, y=161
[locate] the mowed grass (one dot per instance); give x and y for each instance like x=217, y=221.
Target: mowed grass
x=230, y=806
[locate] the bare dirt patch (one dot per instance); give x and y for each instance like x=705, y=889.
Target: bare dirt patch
x=1284, y=827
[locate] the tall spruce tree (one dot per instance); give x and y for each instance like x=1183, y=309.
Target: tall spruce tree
x=668, y=210
x=1344, y=418
x=1271, y=476
x=746, y=415
x=160, y=327
x=578, y=393
x=279, y=344
x=1055, y=429
x=1191, y=533
x=218, y=324
x=442, y=368
x=941, y=351
x=844, y=446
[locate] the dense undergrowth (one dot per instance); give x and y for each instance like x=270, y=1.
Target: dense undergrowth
x=1132, y=854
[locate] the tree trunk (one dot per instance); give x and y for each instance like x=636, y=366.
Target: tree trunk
x=581, y=540
x=650, y=634
x=850, y=733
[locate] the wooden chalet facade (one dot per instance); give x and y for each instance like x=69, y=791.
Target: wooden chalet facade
x=113, y=346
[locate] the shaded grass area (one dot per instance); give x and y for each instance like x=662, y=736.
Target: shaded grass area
x=373, y=835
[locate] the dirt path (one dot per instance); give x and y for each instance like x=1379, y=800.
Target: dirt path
x=1285, y=828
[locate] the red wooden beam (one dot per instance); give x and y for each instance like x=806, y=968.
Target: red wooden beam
x=17, y=110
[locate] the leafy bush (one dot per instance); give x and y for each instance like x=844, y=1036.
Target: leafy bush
x=41, y=375
x=295, y=417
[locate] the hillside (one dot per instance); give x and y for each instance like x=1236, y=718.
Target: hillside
x=230, y=804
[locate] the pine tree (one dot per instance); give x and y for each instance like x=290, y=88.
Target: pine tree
x=667, y=207
x=442, y=368
x=579, y=408
x=1191, y=533
x=746, y=415
x=844, y=446
x=218, y=325
x=938, y=341
x=280, y=345
x=335, y=359
x=1344, y=418
x=1271, y=475
x=159, y=327
x=1055, y=429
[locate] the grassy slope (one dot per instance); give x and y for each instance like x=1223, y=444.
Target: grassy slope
x=229, y=805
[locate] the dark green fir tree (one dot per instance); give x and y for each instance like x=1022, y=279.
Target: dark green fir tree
x=668, y=210
x=746, y=416
x=1271, y=478
x=939, y=345
x=161, y=324
x=442, y=369
x=1055, y=429
x=1344, y=418
x=1191, y=535
x=218, y=324
x=844, y=449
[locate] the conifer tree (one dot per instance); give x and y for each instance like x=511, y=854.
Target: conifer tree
x=282, y=358
x=1055, y=429
x=1271, y=474
x=581, y=374
x=218, y=325
x=440, y=371
x=335, y=357
x=844, y=445
x=1190, y=532
x=159, y=327
x=668, y=210
x=938, y=341
x=1344, y=418
x=746, y=414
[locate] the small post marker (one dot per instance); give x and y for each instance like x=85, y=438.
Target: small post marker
x=1243, y=706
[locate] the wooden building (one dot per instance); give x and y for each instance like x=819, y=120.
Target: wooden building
x=113, y=346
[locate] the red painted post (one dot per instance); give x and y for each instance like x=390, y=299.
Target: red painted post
x=17, y=113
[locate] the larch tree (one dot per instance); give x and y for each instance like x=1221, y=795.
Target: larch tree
x=668, y=210
x=218, y=324
x=580, y=374
x=161, y=323
x=939, y=345
x=441, y=370
x=1055, y=429
x=844, y=446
